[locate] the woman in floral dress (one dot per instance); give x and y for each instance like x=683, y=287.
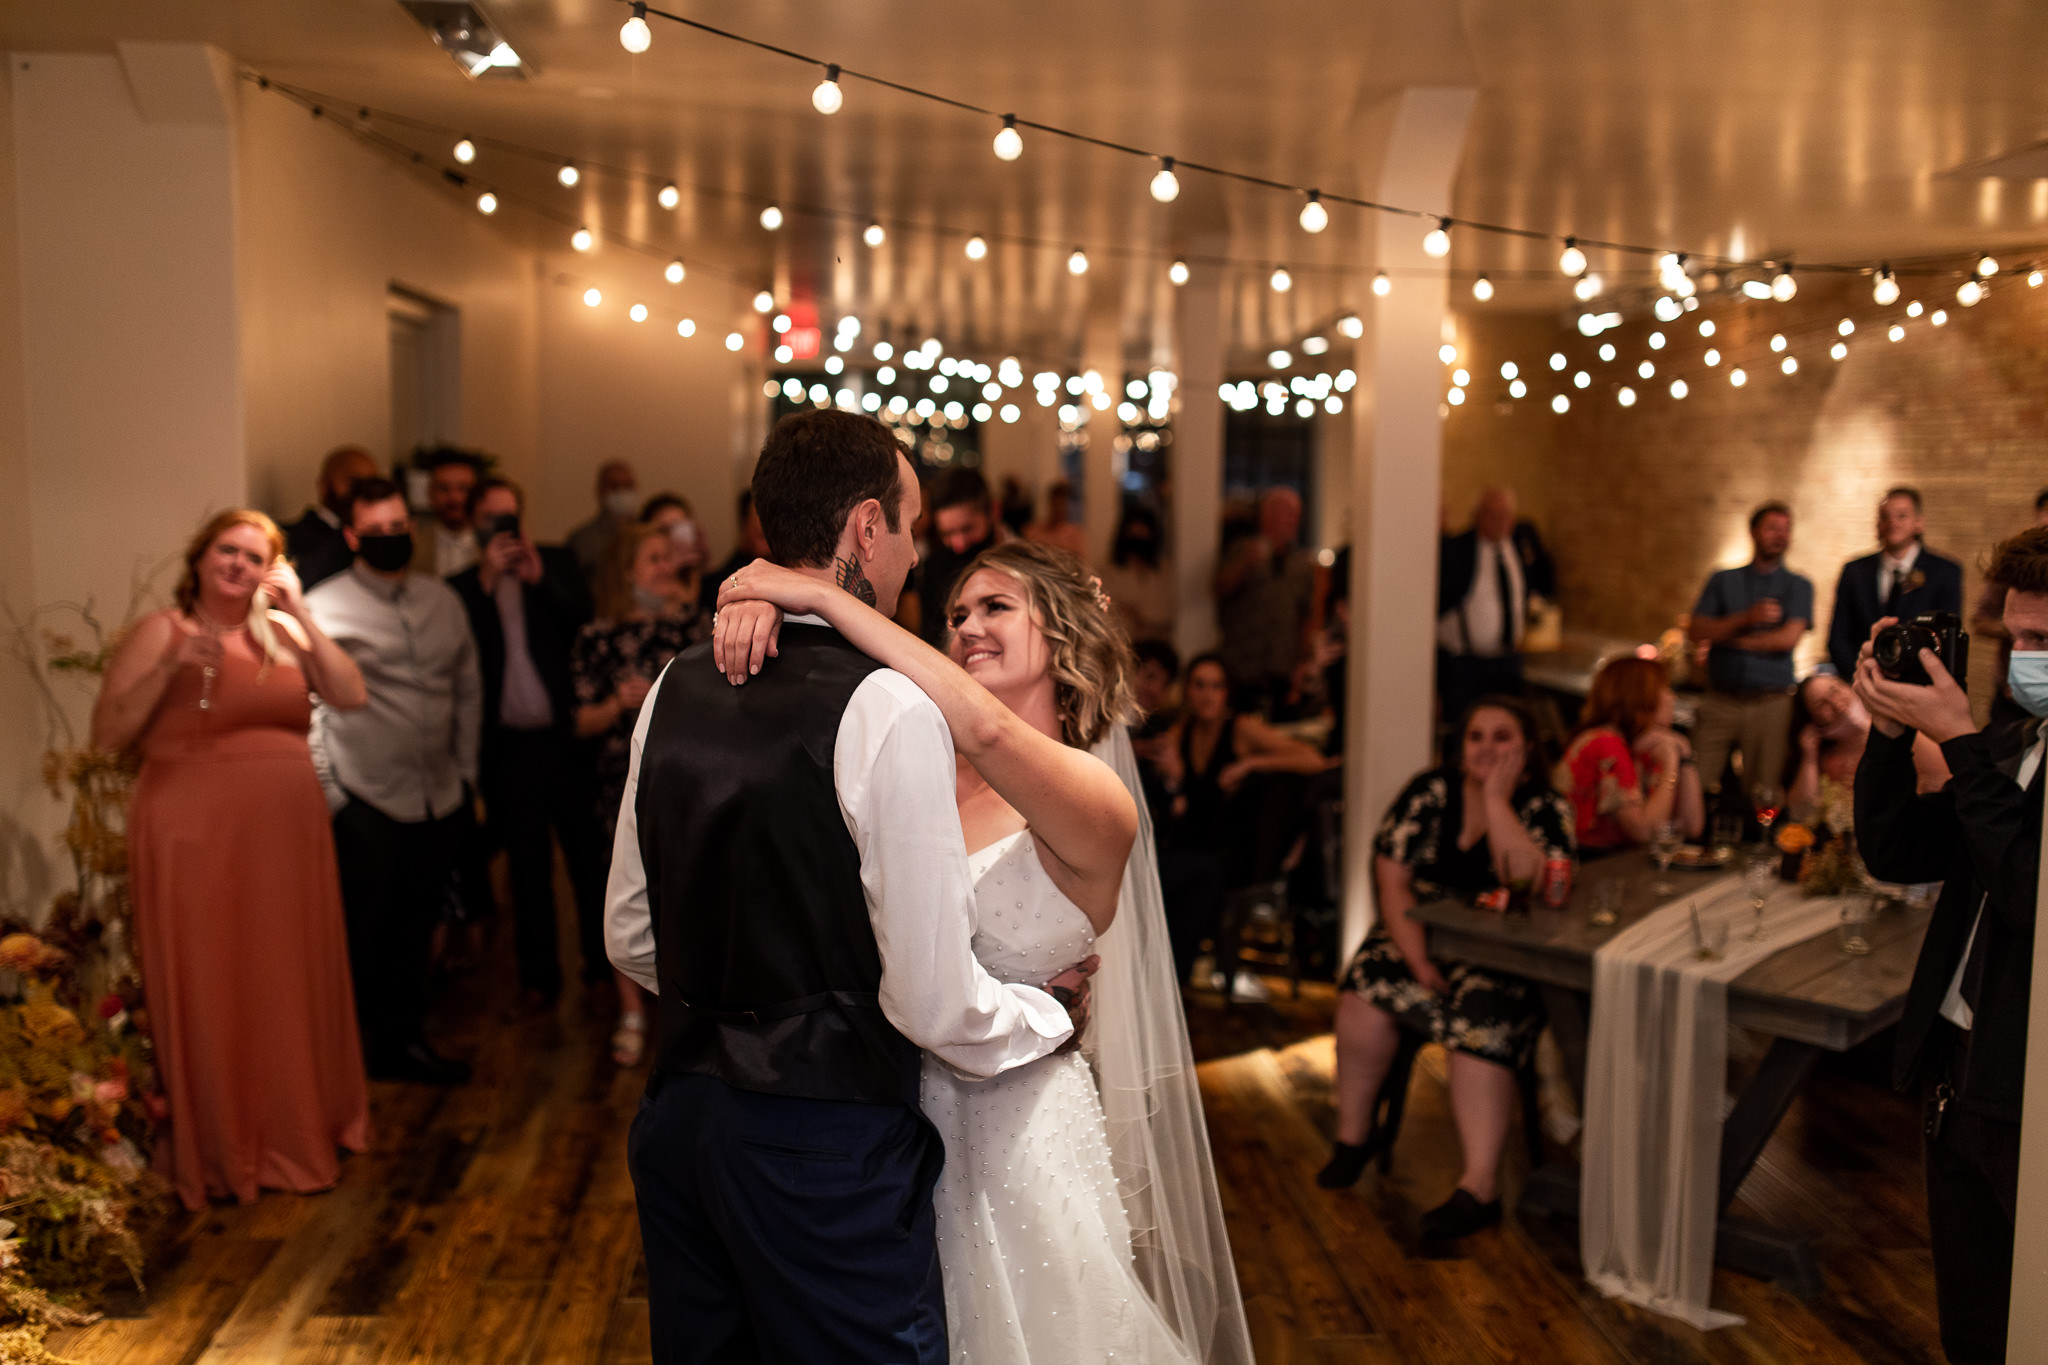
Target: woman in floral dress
x=1488, y=819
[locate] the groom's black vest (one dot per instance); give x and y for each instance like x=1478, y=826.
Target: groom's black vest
x=767, y=961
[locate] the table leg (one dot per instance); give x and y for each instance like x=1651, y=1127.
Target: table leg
x=1567, y=1011
x=1759, y=1109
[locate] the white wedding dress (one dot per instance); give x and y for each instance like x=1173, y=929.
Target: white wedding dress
x=1034, y=1241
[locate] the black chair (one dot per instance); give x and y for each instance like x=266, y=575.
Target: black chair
x=1389, y=1105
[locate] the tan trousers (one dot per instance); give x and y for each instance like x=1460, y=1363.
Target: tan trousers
x=1761, y=727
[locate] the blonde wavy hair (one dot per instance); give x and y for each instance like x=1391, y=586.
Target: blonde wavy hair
x=186, y=594
x=1092, y=664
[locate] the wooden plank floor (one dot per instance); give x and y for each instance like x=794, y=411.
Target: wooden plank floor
x=494, y=1224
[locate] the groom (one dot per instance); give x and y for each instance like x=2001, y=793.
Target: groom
x=791, y=881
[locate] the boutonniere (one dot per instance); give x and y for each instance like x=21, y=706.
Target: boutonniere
x=1913, y=580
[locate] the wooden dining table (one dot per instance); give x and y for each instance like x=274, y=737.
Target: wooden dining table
x=1808, y=998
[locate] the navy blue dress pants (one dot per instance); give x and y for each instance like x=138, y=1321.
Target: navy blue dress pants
x=780, y=1229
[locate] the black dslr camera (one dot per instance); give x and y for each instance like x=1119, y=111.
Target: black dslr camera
x=1897, y=648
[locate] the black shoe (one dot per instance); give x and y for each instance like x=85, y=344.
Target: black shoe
x=419, y=1063
x=1459, y=1216
x=1348, y=1161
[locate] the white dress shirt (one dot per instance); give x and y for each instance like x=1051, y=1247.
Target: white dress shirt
x=1889, y=570
x=454, y=551
x=1954, y=1008
x=1474, y=626
x=893, y=768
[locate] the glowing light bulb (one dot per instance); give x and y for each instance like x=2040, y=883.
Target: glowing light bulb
x=1461, y=377
x=1447, y=353
x=1314, y=217
x=1607, y=351
x=1178, y=272
x=1756, y=289
x=780, y=323
x=1560, y=404
x=1969, y=293
x=826, y=97
x=1510, y=370
x=487, y=203
x=582, y=239
x=1711, y=358
x=592, y=297
x=733, y=341
x=1736, y=378
x=977, y=247
x=1351, y=325
x=1706, y=327
x=1626, y=397
x=686, y=328
x=1840, y=350
x=1656, y=341
x=764, y=302
x=1679, y=389
x=1886, y=291
x=1778, y=342
x=771, y=218
x=1437, y=241
x=1897, y=333
x=568, y=176
x=1588, y=285
x=1281, y=280
x=1455, y=397
x=465, y=151
x=1914, y=309
x=1518, y=389
x=1582, y=380
x=1482, y=289
x=1646, y=370
x=1783, y=286
x=668, y=196
x=1987, y=264
x=1557, y=360
x=1667, y=309
x=1077, y=264
x=1571, y=260
x=1938, y=317
x=1009, y=142
x=874, y=235
x=1279, y=360
x=1381, y=285
x=638, y=312
x=1790, y=365
x=1165, y=185
x=675, y=272
x=2033, y=279
x=634, y=35
x=1845, y=328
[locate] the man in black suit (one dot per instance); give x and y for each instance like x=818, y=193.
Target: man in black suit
x=315, y=543
x=1903, y=579
x=1486, y=578
x=1963, y=1034
x=525, y=606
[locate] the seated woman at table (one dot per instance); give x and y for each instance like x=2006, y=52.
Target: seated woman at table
x=1627, y=771
x=1831, y=733
x=1488, y=818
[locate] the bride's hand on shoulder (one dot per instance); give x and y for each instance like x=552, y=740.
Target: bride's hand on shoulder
x=743, y=634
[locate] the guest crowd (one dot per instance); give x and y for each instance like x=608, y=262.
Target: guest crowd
x=345, y=722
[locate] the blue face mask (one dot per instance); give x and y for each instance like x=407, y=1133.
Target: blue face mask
x=2028, y=676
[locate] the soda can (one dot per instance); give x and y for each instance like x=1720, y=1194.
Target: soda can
x=1496, y=899
x=1557, y=881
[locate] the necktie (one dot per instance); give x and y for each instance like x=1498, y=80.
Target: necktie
x=1507, y=598
x=1891, y=597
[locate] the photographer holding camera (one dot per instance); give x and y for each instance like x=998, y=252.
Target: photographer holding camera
x=1963, y=1035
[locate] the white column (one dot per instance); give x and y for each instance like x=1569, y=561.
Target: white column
x=1196, y=457
x=1396, y=479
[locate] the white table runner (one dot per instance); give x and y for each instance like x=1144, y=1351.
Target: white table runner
x=1656, y=1070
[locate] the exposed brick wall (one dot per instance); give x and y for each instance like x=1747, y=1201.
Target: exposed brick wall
x=1641, y=503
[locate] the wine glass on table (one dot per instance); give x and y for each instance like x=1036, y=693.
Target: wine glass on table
x=1665, y=840
x=1759, y=874
x=1767, y=799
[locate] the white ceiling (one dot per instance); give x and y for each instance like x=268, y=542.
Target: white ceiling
x=1815, y=129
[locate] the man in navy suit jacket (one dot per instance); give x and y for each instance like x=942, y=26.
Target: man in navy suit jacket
x=1903, y=579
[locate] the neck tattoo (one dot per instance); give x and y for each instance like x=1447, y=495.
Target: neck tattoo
x=847, y=574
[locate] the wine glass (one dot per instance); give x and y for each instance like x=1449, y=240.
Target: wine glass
x=1664, y=845
x=1758, y=875
x=1856, y=912
x=1606, y=903
x=1766, y=799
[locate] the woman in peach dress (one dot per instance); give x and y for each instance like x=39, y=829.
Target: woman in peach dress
x=238, y=917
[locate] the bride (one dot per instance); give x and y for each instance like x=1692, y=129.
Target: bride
x=1077, y=1211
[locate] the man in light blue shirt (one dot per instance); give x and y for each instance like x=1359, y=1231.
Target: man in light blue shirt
x=1751, y=618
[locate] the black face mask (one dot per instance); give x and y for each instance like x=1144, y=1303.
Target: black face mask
x=386, y=554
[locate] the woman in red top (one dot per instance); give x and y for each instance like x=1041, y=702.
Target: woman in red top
x=1627, y=770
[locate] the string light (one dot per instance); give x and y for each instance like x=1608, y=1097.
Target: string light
x=1711, y=358
x=634, y=35
x=1897, y=333
x=1607, y=351
x=1969, y=293
x=977, y=247
x=669, y=196
x=1626, y=397
x=638, y=312
x=1582, y=380
x=1446, y=353
x=1756, y=289
x=1279, y=360
x=1915, y=309
x=592, y=297
x=733, y=341
x=1667, y=309
x=827, y=96
x=1778, y=342
x=1482, y=289
x=1845, y=328
x=1938, y=317
x=1077, y=264
x=1314, y=217
x=1518, y=389
x=780, y=323
x=1557, y=360
x=1783, y=286
x=686, y=328
x=1646, y=370
x=1178, y=272
x=1509, y=370
x=1351, y=325
x=582, y=239
x=764, y=302
x=1987, y=264
x=1437, y=241
x=874, y=235
x=1656, y=341
x=1588, y=285
x=1461, y=377
x=1886, y=291
x=1165, y=185
x=771, y=218
x=1009, y=142
x=1679, y=389
x=674, y=273
x=1572, y=261
x=465, y=151
x=568, y=175
x=487, y=203
x=1840, y=350
x=1381, y=285
x=1281, y=280
x=1560, y=405
x=1706, y=327
x=2033, y=279
x=1455, y=397
x=1736, y=378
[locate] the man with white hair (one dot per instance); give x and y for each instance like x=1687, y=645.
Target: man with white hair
x=1486, y=578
